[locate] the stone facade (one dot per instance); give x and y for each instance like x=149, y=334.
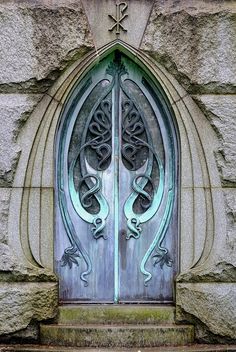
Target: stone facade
x=190, y=47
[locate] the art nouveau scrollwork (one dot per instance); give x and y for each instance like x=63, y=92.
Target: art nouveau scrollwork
x=117, y=131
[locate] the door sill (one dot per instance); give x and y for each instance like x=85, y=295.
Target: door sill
x=170, y=303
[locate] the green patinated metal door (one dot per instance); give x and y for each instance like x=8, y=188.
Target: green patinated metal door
x=116, y=199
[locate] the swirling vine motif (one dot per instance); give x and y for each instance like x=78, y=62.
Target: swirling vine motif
x=76, y=250
x=135, y=138
x=148, y=197
x=100, y=134
x=132, y=128
x=96, y=138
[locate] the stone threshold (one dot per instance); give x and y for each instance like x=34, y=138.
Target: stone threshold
x=189, y=348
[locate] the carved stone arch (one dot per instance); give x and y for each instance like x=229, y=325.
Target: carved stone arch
x=202, y=221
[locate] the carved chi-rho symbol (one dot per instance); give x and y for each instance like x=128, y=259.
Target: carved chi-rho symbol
x=120, y=16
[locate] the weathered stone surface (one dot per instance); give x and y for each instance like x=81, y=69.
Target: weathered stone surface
x=230, y=200
x=223, y=271
x=195, y=40
x=223, y=266
x=14, y=111
x=22, y=302
x=97, y=12
x=28, y=335
x=221, y=111
x=189, y=348
x=115, y=314
x=8, y=261
x=38, y=38
x=12, y=269
x=114, y=336
x=4, y=208
x=210, y=304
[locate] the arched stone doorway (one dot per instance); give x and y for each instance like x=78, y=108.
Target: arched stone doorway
x=117, y=188
x=31, y=225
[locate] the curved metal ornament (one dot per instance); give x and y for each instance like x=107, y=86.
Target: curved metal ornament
x=162, y=255
x=101, y=131
x=159, y=199
x=99, y=125
x=76, y=250
x=84, y=181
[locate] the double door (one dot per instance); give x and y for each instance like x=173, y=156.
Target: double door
x=116, y=199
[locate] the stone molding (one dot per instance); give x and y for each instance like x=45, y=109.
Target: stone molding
x=195, y=42
x=202, y=213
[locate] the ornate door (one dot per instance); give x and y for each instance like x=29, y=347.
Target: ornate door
x=116, y=199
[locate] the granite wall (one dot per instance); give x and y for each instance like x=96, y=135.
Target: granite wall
x=41, y=44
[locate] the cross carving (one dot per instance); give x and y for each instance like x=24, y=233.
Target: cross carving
x=120, y=16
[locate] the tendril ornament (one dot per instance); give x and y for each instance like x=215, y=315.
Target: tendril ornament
x=96, y=137
x=135, y=138
x=152, y=177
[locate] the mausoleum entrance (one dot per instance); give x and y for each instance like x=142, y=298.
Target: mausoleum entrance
x=116, y=199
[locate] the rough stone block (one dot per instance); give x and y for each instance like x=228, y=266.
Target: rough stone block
x=230, y=200
x=195, y=40
x=13, y=269
x=28, y=335
x=212, y=304
x=37, y=38
x=221, y=111
x=23, y=302
x=220, y=265
x=8, y=261
x=4, y=208
x=14, y=111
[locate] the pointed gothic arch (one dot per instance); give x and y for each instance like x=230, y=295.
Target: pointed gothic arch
x=116, y=188
x=202, y=219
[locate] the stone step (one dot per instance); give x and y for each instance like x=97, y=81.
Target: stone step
x=44, y=348
x=115, y=314
x=116, y=335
